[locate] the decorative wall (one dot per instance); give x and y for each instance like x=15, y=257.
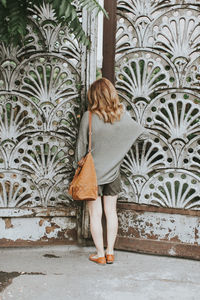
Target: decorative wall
x=158, y=79
x=42, y=86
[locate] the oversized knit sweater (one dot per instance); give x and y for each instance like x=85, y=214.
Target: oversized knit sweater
x=110, y=143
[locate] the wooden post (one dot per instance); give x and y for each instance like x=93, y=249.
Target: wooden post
x=109, y=34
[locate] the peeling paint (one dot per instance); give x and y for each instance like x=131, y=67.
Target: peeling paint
x=34, y=229
x=8, y=223
x=41, y=222
x=50, y=229
x=160, y=226
x=39, y=212
x=172, y=252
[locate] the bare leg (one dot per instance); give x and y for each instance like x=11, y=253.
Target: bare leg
x=110, y=208
x=95, y=211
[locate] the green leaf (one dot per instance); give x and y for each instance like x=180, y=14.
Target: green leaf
x=4, y=2
x=74, y=15
x=93, y=4
x=14, y=16
x=62, y=8
x=67, y=12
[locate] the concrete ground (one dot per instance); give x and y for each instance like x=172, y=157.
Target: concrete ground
x=64, y=272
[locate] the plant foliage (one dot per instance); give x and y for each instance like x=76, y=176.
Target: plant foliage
x=14, y=16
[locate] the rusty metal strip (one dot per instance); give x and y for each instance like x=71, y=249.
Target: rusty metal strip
x=39, y=212
x=158, y=247
x=4, y=243
x=151, y=208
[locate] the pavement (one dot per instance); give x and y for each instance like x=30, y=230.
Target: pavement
x=64, y=272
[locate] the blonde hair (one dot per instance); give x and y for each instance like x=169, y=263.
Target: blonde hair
x=104, y=101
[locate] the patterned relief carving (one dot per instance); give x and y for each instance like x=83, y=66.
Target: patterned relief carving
x=158, y=78
x=40, y=107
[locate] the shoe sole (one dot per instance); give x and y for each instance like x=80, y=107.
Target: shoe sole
x=98, y=262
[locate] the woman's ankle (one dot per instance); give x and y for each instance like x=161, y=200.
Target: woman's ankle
x=100, y=253
x=110, y=251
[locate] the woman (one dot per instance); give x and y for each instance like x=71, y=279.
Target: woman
x=113, y=133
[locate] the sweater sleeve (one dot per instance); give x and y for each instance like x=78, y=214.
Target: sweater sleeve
x=82, y=141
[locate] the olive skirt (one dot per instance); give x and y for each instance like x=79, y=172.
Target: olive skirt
x=110, y=189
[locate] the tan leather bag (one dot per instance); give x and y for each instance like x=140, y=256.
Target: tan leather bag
x=84, y=184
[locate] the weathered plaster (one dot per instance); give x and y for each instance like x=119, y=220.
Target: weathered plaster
x=34, y=229
x=160, y=226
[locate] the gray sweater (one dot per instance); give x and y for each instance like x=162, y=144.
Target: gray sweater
x=110, y=143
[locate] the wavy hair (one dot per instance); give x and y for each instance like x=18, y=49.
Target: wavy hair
x=103, y=100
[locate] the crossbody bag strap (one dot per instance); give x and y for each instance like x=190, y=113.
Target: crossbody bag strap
x=90, y=132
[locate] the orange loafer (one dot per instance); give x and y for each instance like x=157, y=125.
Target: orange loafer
x=98, y=260
x=110, y=258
